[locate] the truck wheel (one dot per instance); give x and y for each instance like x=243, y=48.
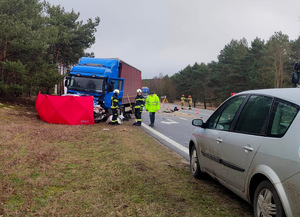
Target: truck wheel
x=194, y=164
x=266, y=201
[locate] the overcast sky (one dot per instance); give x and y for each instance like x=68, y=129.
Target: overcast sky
x=165, y=36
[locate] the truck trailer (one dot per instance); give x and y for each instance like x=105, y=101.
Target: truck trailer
x=99, y=77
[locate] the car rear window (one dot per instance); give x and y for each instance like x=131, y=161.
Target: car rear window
x=283, y=114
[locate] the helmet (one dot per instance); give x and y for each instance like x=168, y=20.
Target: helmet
x=182, y=94
x=138, y=90
x=190, y=96
x=116, y=91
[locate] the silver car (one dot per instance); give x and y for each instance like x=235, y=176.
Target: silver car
x=251, y=145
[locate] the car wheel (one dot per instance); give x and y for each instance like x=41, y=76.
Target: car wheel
x=267, y=201
x=194, y=163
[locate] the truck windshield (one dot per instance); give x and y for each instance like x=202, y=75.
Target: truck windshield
x=86, y=84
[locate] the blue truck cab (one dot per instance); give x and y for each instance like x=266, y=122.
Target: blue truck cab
x=145, y=91
x=98, y=78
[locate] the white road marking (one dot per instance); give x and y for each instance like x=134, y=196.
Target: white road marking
x=205, y=114
x=167, y=139
x=183, y=119
x=169, y=122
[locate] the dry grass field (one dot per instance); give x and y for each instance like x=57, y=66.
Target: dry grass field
x=98, y=170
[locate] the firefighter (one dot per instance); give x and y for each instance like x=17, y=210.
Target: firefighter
x=182, y=101
x=138, y=107
x=190, y=102
x=114, y=107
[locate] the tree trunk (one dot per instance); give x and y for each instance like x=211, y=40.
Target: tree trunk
x=204, y=101
x=281, y=71
x=6, y=40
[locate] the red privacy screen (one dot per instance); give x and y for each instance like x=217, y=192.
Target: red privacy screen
x=72, y=110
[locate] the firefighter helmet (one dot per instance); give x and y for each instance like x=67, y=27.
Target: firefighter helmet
x=116, y=91
x=138, y=90
x=182, y=94
x=190, y=96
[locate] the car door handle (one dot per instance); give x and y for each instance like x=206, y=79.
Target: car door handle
x=219, y=140
x=248, y=148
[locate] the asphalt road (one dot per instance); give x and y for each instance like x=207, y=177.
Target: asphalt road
x=174, y=129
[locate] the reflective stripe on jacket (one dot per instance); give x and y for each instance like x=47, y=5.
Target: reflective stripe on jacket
x=114, y=102
x=139, y=101
x=152, y=103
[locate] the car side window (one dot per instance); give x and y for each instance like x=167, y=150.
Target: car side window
x=223, y=117
x=282, y=117
x=254, y=115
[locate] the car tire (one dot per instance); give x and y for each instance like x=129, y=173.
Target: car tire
x=194, y=163
x=266, y=201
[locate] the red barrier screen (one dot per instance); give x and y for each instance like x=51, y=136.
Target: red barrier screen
x=71, y=110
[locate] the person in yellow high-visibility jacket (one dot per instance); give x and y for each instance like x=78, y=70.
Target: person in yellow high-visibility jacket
x=152, y=105
x=182, y=101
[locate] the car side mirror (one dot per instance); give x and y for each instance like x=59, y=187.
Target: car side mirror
x=197, y=122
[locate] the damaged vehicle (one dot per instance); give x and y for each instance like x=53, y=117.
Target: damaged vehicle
x=98, y=78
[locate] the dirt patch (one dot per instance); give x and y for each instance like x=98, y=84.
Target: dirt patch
x=182, y=114
x=198, y=105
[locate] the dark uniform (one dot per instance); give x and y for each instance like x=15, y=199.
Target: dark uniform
x=138, y=108
x=114, y=107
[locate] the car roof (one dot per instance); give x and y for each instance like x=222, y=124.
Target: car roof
x=289, y=94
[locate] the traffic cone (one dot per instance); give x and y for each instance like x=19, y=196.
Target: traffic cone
x=197, y=112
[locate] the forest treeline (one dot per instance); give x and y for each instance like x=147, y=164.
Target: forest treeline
x=36, y=38
x=240, y=66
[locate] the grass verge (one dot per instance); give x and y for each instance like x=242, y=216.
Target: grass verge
x=98, y=170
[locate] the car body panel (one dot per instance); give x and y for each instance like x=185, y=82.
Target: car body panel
x=238, y=159
x=211, y=150
x=289, y=94
x=292, y=190
x=238, y=151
